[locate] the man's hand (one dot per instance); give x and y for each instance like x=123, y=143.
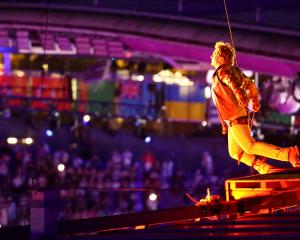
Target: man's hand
x=254, y=105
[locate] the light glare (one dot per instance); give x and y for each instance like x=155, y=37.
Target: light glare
x=86, y=118
x=152, y=197
x=12, y=140
x=61, y=167
x=49, y=133
x=28, y=140
x=147, y=139
x=207, y=92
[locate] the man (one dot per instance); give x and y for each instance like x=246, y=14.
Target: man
x=236, y=97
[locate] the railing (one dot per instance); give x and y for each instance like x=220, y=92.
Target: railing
x=178, y=10
x=82, y=203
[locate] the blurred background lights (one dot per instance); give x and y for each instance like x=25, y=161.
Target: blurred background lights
x=152, y=197
x=86, y=118
x=207, y=92
x=139, y=78
x=169, y=77
x=49, y=133
x=45, y=67
x=61, y=167
x=140, y=122
x=12, y=140
x=27, y=140
x=209, y=76
x=204, y=124
x=56, y=114
x=248, y=73
x=147, y=139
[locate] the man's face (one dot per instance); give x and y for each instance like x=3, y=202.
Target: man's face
x=214, y=57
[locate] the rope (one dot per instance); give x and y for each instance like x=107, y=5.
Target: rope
x=230, y=32
x=251, y=117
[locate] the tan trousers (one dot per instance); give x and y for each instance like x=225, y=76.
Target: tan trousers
x=242, y=145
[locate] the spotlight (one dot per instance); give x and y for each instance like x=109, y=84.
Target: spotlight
x=12, y=140
x=152, y=197
x=147, y=139
x=61, y=167
x=49, y=133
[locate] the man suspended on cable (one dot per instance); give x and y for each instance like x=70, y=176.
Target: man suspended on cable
x=236, y=98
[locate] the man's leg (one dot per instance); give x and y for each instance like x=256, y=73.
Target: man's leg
x=236, y=152
x=241, y=134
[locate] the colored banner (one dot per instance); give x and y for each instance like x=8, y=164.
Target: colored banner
x=101, y=97
x=185, y=103
x=13, y=86
x=184, y=111
x=134, y=99
x=55, y=90
x=277, y=118
x=43, y=93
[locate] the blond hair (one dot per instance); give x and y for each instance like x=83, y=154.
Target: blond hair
x=226, y=51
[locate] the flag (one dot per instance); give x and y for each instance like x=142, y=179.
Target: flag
x=185, y=103
x=130, y=90
x=101, y=96
x=134, y=99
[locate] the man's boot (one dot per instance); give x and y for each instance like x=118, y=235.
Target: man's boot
x=294, y=156
x=262, y=167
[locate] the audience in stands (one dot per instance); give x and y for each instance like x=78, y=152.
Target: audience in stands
x=93, y=186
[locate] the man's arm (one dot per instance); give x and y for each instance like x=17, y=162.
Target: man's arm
x=228, y=77
x=252, y=93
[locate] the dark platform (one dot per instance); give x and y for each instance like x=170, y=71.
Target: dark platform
x=263, y=227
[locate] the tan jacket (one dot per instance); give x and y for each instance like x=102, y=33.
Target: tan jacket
x=231, y=93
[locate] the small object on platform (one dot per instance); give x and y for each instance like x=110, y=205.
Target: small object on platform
x=208, y=196
x=209, y=199
x=204, y=201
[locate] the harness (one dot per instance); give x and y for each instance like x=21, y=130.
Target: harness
x=245, y=120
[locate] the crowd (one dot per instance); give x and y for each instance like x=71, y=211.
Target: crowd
x=92, y=186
